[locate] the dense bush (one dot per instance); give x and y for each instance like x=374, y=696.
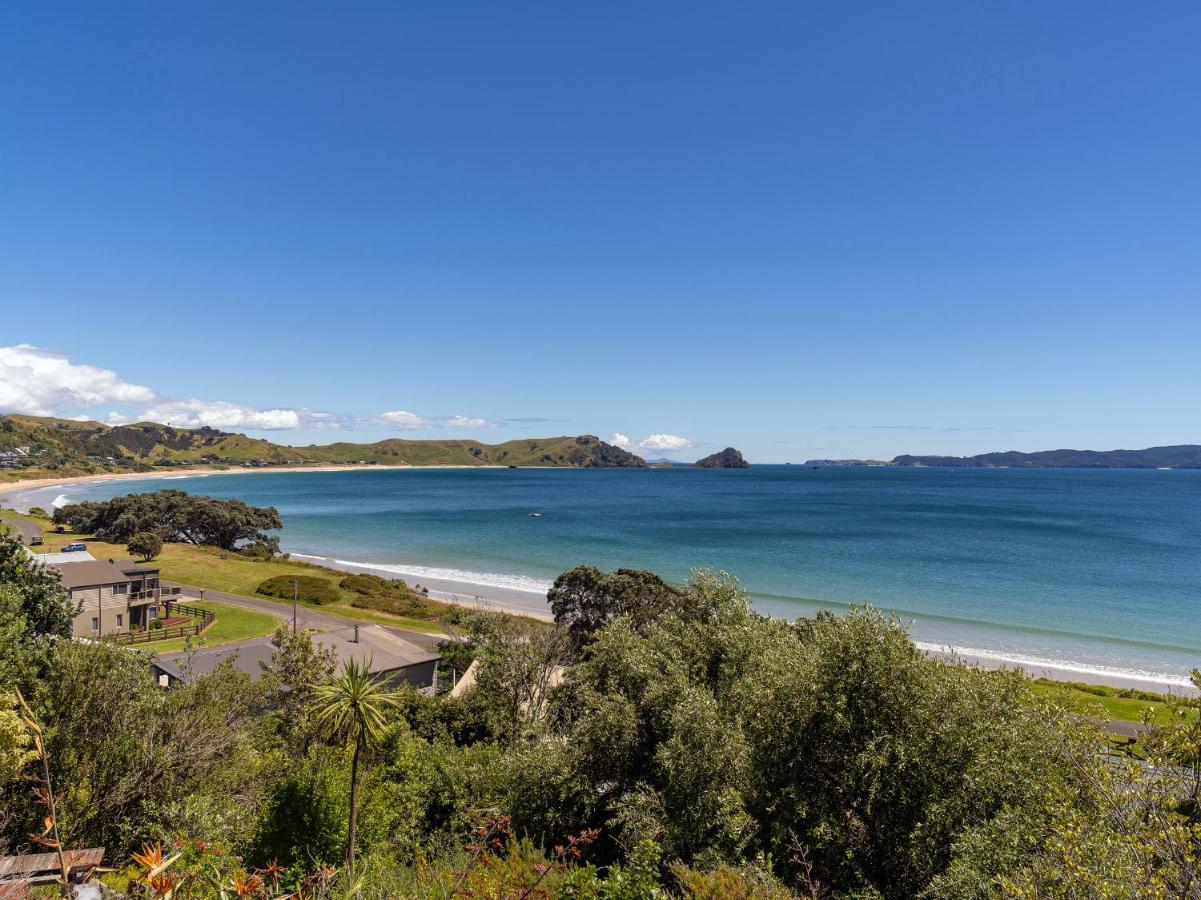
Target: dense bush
x=307, y=588
x=373, y=584
x=702, y=751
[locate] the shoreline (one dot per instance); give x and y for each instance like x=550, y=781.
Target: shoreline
x=526, y=597
x=7, y=488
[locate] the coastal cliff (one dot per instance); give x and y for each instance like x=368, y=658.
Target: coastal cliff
x=725, y=459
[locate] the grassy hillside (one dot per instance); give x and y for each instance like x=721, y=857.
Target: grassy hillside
x=67, y=447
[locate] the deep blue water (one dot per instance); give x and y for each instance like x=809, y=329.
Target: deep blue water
x=1092, y=568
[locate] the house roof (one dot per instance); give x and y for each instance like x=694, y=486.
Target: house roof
x=61, y=557
x=385, y=651
x=88, y=573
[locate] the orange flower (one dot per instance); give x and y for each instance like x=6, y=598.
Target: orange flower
x=150, y=857
x=163, y=884
x=248, y=886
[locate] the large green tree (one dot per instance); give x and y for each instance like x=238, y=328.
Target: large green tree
x=585, y=599
x=174, y=516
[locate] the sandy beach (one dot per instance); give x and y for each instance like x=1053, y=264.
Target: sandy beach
x=529, y=601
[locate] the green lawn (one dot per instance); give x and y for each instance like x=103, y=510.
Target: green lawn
x=210, y=567
x=233, y=623
x=1089, y=699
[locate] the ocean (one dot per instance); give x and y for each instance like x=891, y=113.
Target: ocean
x=1092, y=571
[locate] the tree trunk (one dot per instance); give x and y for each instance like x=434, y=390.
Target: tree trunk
x=354, y=806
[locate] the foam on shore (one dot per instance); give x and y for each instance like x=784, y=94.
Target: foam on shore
x=1063, y=669
x=459, y=576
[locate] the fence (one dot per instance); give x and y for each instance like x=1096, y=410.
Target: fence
x=201, y=619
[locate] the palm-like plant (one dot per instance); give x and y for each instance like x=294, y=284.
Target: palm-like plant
x=353, y=707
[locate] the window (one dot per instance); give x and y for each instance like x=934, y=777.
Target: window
x=152, y=613
x=151, y=583
x=95, y=623
x=120, y=588
x=120, y=620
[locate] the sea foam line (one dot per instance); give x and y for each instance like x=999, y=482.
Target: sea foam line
x=1061, y=665
x=521, y=583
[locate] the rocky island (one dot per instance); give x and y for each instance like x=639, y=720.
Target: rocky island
x=726, y=459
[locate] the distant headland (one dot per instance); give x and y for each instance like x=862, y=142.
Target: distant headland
x=1178, y=456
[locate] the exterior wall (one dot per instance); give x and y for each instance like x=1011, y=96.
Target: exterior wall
x=102, y=603
x=418, y=676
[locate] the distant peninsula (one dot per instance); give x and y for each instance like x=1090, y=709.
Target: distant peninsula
x=34, y=447
x=1178, y=456
x=725, y=459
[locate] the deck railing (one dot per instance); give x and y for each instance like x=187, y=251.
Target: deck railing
x=201, y=619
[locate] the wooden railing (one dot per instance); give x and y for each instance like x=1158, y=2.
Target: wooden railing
x=201, y=619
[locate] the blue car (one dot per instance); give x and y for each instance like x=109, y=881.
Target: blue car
x=71, y=548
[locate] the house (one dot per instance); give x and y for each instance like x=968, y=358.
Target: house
x=113, y=595
x=392, y=659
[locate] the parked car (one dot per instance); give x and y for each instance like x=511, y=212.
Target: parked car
x=36, y=540
x=71, y=548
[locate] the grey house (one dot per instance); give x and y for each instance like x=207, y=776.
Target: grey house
x=393, y=660
x=113, y=595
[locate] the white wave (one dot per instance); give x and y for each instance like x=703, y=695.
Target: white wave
x=521, y=583
x=60, y=501
x=1060, y=665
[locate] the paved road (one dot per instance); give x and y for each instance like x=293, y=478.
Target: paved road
x=307, y=618
x=27, y=530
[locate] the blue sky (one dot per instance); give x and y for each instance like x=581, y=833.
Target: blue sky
x=819, y=229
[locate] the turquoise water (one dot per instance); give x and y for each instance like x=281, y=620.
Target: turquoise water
x=1087, y=569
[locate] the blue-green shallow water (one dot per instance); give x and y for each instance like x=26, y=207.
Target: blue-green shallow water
x=1096, y=569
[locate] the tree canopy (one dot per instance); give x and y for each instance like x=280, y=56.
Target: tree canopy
x=585, y=599
x=45, y=606
x=174, y=516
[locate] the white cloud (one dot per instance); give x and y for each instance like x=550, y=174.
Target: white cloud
x=407, y=421
x=664, y=442
x=404, y=420
x=650, y=442
x=465, y=422
x=44, y=383
x=222, y=415
x=41, y=382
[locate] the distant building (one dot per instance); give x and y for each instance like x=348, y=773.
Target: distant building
x=392, y=659
x=10, y=459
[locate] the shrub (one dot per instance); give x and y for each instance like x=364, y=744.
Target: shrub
x=309, y=588
x=38, y=511
x=373, y=584
x=156, y=625
x=414, y=606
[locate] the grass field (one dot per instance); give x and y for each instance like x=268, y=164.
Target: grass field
x=232, y=624
x=209, y=567
x=1089, y=699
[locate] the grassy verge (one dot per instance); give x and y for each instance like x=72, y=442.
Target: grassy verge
x=1111, y=702
x=214, y=569
x=233, y=623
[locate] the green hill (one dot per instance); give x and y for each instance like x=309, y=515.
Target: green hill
x=68, y=447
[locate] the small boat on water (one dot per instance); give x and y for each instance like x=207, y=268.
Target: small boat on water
x=535, y=515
